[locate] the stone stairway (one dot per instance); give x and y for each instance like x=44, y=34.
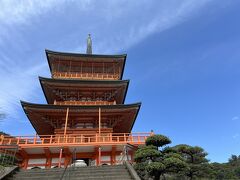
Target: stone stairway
x=117, y=172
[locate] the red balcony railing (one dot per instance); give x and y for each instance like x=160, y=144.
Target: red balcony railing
x=85, y=75
x=85, y=102
x=76, y=139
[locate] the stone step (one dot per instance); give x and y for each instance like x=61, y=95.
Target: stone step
x=85, y=167
x=77, y=168
x=122, y=177
x=77, y=171
x=97, y=173
x=117, y=172
x=77, y=178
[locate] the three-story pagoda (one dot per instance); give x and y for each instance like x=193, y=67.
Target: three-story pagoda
x=85, y=116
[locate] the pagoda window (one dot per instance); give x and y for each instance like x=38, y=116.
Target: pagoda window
x=104, y=125
x=72, y=99
x=79, y=125
x=83, y=99
x=63, y=125
x=84, y=125
x=89, y=125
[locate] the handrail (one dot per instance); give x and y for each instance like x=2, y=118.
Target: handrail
x=65, y=169
x=131, y=170
x=85, y=75
x=85, y=103
x=49, y=135
x=108, y=138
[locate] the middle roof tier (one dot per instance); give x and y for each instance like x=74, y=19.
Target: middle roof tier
x=84, y=92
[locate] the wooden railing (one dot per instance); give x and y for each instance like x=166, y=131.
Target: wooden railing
x=85, y=75
x=76, y=139
x=84, y=102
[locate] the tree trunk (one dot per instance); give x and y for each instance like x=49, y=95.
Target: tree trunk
x=157, y=176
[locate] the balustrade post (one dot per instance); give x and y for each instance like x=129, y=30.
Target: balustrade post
x=2, y=138
x=10, y=140
x=50, y=139
x=99, y=155
x=96, y=138
x=60, y=158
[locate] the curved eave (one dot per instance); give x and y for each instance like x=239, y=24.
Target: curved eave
x=76, y=81
x=25, y=111
x=26, y=105
x=48, y=52
x=60, y=107
x=84, y=55
x=83, y=81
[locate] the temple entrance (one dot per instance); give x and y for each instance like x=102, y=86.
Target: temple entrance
x=86, y=160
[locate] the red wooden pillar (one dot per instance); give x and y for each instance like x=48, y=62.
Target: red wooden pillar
x=25, y=163
x=96, y=156
x=60, y=158
x=113, y=155
x=48, y=162
x=67, y=160
x=99, y=155
x=25, y=157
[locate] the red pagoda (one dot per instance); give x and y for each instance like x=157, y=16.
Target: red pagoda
x=85, y=116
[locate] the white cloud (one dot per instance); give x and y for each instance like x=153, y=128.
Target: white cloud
x=23, y=10
x=235, y=136
x=18, y=86
x=115, y=25
x=144, y=22
x=235, y=118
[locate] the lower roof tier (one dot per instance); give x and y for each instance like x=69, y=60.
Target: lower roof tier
x=46, y=118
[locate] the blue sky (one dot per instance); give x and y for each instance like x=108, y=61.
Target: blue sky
x=183, y=62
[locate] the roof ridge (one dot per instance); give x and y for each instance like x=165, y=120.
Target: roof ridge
x=82, y=54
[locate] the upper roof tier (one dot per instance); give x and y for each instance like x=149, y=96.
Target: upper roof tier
x=84, y=92
x=85, y=66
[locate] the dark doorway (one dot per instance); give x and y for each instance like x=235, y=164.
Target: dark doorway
x=87, y=160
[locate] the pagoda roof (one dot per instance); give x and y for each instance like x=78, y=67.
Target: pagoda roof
x=48, y=52
x=39, y=115
x=48, y=85
x=85, y=57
